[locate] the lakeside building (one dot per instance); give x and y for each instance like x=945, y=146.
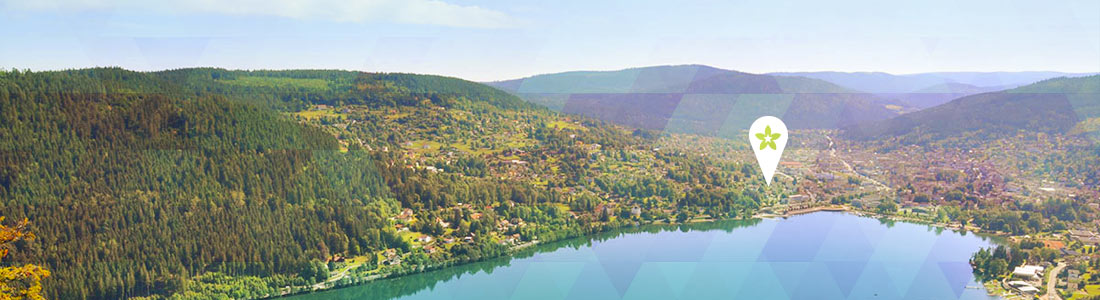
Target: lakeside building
x=796, y=199
x=1029, y=290
x=1028, y=272
x=1024, y=287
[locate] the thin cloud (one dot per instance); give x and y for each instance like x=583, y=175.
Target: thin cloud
x=428, y=12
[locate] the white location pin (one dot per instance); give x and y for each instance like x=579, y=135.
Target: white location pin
x=768, y=136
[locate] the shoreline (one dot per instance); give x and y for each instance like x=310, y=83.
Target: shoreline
x=516, y=249
x=512, y=251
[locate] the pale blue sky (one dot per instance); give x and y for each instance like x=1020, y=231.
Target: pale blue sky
x=490, y=40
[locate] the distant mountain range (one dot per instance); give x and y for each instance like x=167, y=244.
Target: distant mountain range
x=1051, y=106
x=705, y=100
x=924, y=90
x=700, y=99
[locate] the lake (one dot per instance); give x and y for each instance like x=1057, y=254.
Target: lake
x=824, y=255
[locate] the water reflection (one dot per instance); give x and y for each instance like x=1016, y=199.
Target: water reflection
x=397, y=287
x=822, y=255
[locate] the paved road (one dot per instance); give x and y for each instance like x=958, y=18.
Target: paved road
x=1051, y=281
x=832, y=152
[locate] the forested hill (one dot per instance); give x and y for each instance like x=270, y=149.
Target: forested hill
x=135, y=180
x=133, y=183
x=208, y=183
x=1061, y=105
x=699, y=99
x=297, y=89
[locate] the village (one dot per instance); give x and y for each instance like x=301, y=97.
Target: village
x=818, y=172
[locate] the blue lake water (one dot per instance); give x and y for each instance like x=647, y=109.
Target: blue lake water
x=825, y=255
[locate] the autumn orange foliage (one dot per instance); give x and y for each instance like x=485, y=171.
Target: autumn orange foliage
x=19, y=282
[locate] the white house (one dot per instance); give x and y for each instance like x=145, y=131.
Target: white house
x=1028, y=272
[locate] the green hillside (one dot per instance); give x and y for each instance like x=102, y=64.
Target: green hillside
x=134, y=184
x=297, y=89
x=208, y=183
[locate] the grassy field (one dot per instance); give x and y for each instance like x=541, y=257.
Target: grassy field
x=564, y=125
x=1087, y=125
x=281, y=82
x=423, y=146
x=395, y=116
x=1089, y=290
x=409, y=236
x=519, y=143
x=460, y=115
x=317, y=114
x=475, y=151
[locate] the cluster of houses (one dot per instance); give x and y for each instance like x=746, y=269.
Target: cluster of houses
x=1027, y=277
x=506, y=225
x=1085, y=237
x=390, y=257
x=934, y=173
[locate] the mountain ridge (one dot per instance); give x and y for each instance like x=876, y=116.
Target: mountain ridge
x=1050, y=106
x=697, y=98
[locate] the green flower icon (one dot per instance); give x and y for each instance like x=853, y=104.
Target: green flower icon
x=767, y=139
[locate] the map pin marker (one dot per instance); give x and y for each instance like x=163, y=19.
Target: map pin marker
x=768, y=136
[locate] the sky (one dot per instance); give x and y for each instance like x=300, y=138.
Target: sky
x=496, y=40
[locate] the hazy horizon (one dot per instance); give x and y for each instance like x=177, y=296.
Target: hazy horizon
x=488, y=40
x=778, y=73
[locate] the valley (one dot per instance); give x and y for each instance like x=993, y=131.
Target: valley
x=549, y=150
x=387, y=175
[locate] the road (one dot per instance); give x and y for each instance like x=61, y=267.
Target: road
x=832, y=152
x=1051, y=281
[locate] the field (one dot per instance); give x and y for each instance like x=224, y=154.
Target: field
x=1089, y=290
x=280, y=82
x=564, y=125
x=317, y=114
